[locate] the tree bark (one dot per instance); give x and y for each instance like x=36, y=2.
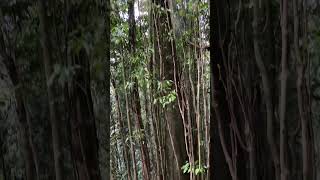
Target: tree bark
x=46, y=44
x=306, y=140
x=283, y=91
x=25, y=133
x=85, y=144
x=3, y=164
x=166, y=61
x=219, y=120
x=266, y=90
x=83, y=128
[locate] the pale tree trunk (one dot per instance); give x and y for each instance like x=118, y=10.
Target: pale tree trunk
x=132, y=150
x=122, y=132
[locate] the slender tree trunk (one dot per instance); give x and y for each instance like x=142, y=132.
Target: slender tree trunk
x=143, y=142
x=132, y=150
x=122, y=133
x=136, y=98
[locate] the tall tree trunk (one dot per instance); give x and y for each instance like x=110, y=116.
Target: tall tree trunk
x=166, y=61
x=218, y=166
x=22, y=119
x=132, y=150
x=266, y=89
x=306, y=140
x=85, y=142
x=122, y=132
x=136, y=98
x=26, y=137
x=46, y=44
x=146, y=169
x=283, y=91
x=83, y=128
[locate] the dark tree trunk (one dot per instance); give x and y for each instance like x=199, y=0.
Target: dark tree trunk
x=26, y=137
x=218, y=167
x=83, y=129
x=24, y=129
x=3, y=164
x=46, y=43
x=85, y=143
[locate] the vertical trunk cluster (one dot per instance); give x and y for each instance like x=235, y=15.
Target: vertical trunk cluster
x=68, y=98
x=83, y=129
x=167, y=64
x=230, y=41
x=84, y=144
x=126, y=156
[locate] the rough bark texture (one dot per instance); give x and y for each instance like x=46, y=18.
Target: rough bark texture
x=305, y=121
x=266, y=89
x=46, y=44
x=26, y=138
x=22, y=119
x=83, y=129
x=3, y=163
x=283, y=91
x=83, y=126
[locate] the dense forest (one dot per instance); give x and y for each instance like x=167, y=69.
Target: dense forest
x=159, y=89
